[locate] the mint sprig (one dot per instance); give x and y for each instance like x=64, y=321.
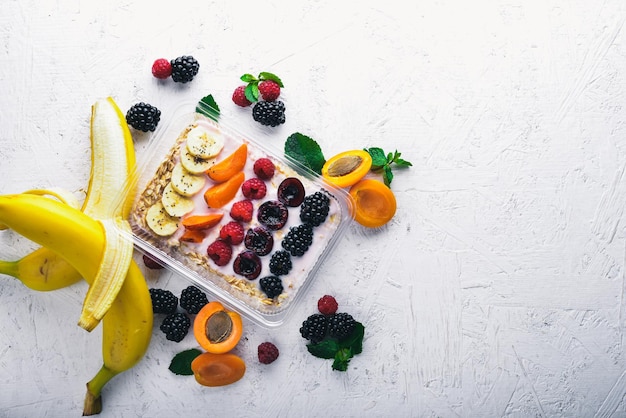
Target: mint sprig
x=305, y=150
x=382, y=161
x=252, y=84
x=341, y=351
x=207, y=106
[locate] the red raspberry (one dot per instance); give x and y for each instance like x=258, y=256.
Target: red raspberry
x=161, y=68
x=327, y=305
x=264, y=168
x=268, y=352
x=254, y=188
x=239, y=97
x=242, y=211
x=220, y=252
x=151, y=262
x=269, y=89
x=232, y=233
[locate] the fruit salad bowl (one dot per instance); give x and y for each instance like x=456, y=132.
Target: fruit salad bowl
x=229, y=215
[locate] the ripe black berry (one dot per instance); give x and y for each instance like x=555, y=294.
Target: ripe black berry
x=269, y=113
x=314, y=328
x=163, y=301
x=175, y=326
x=193, y=299
x=143, y=117
x=184, y=68
x=340, y=325
x=271, y=285
x=280, y=263
x=314, y=209
x=298, y=239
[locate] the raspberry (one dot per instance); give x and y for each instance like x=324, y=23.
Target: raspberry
x=264, y=168
x=254, y=188
x=242, y=211
x=193, y=299
x=239, y=97
x=232, y=233
x=327, y=305
x=267, y=352
x=151, y=262
x=161, y=68
x=220, y=252
x=269, y=89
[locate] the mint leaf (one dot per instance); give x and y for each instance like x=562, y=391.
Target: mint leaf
x=387, y=175
x=269, y=76
x=252, y=92
x=342, y=358
x=208, y=107
x=326, y=349
x=378, y=157
x=354, y=341
x=306, y=151
x=181, y=363
x=246, y=78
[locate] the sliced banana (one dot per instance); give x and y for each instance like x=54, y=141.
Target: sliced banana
x=193, y=164
x=203, y=145
x=186, y=183
x=176, y=204
x=160, y=221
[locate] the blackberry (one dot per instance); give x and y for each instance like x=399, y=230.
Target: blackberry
x=314, y=209
x=143, y=117
x=271, y=285
x=314, y=328
x=175, y=326
x=340, y=325
x=298, y=239
x=280, y=263
x=184, y=68
x=163, y=301
x=269, y=113
x=193, y=299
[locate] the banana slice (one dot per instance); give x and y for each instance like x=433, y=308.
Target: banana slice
x=176, y=204
x=186, y=183
x=203, y=145
x=193, y=164
x=160, y=221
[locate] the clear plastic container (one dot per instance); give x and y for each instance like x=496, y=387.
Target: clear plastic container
x=190, y=259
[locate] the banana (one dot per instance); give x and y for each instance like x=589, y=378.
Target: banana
x=193, y=164
x=42, y=270
x=175, y=204
x=186, y=183
x=126, y=333
x=81, y=240
x=160, y=222
x=203, y=145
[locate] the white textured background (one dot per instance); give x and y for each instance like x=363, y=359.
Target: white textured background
x=498, y=288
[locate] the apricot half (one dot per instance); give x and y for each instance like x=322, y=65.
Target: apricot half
x=346, y=168
x=216, y=329
x=211, y=369
x=222, y=193
x=229, y=166
x=374, y=203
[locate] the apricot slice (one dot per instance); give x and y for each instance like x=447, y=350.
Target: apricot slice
x=211, y=369
x=346, y=168
x=197, y=222
x=216, y=329
x=222, y=193
x=229, y=166
x=374, y=203
x=193, y=235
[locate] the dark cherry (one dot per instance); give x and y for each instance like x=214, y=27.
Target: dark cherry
x=291, y=192
x=272, y=214
x=259, y=240
x=247, y=264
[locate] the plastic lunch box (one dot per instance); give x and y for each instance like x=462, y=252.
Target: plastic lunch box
x=190, y=260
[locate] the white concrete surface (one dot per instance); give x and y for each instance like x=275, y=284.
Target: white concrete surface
x=496, y=291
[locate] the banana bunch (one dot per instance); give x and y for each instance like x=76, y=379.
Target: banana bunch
x=89, y=243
